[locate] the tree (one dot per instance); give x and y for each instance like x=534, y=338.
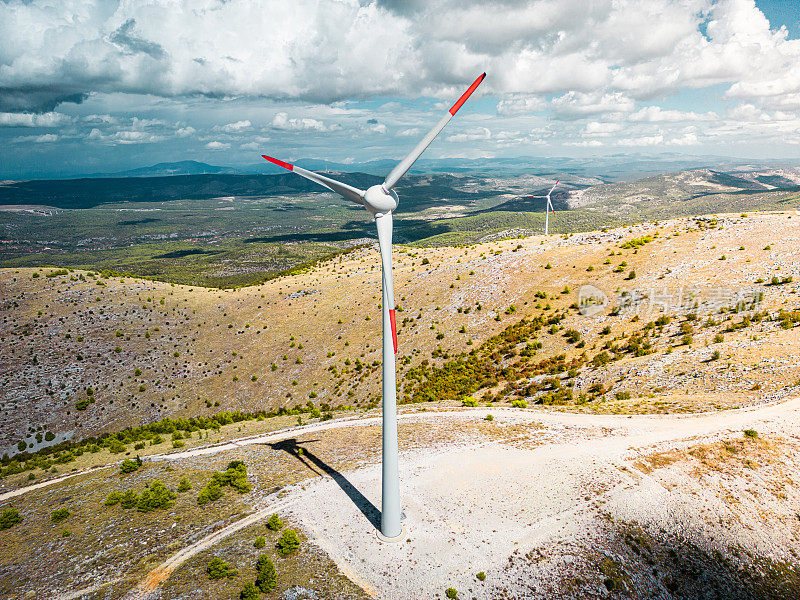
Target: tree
x=184, y=485
x=9, y=517
x=267, y=578
x=59, y=515
x=128, y=466
x=219, y=569
x=274, y=523
x=249, y=592
x=211, y=492
x=288, y=542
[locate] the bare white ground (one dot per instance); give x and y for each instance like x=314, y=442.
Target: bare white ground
x=469, y=509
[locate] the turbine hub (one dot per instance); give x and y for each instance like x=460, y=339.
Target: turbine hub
x=379, y=201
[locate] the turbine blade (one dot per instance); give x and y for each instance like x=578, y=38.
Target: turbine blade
x=347, y=191
x=552, y=188
x=404, y=165
x=384, y=225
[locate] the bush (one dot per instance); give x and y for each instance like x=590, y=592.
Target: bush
x=249, y=592
x=274, y=523
x=451, y=593
x=9, y=517
x=184, y=485
x=519, y=403
x=489, y=418
x=219, y=569
x=154, y=497
x=469, y=401
x=235, y=476
x=211, y=492
x=481, y=576
x=113, y=498
x=59, y=515
x=128, y=466
x=288, y=543
x=260, y=542
x=751, y=433
x=266, y=578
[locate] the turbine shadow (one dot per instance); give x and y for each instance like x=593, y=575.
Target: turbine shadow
x=367, y=508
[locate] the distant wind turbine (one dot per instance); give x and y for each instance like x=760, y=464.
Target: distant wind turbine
x=547, y=208
x=380, y=200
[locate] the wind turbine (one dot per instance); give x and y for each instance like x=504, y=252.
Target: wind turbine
x=380, y=200
x=547, y=208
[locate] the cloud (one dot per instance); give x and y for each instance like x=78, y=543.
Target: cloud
x=520, y=106
x=598, y=129
x=133, y=137
x=651, y=140
x=411, y=132
x=478, y=133
x=215, y=145
x=185, y=132
x=281, y=121
x=655, y=114
x=330, y=50
x=576, y=105
x=235, y=127
x=48, y=119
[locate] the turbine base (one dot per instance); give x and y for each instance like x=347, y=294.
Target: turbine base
x=392, y=540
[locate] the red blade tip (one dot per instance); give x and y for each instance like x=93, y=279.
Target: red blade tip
x=280, y=163
x=467, y=94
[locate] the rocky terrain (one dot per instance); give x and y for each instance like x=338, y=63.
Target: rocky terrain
x=642, y=385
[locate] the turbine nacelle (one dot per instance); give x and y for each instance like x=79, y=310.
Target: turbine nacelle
x=378, y=201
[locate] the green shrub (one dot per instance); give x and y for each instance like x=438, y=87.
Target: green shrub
x=184, y=485
x=128, y=466
x=751, y=433
x=59, y=515
x=266, y=577
x=288, y=542
x=9, y=517
x=489, y=418
x=154, y=497
x=249, y=592
x=519, y=403
x=451, y=593
x=274, y=523
x=219, y=569
x=113, y=498
x=211, y=492
x=260, y=542
x=469, y=401
x=481, y=576
x=235, y=476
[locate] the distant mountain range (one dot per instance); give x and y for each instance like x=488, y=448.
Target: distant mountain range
x=614, y=167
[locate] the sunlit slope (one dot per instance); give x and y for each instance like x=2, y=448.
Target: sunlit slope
x=147, y=349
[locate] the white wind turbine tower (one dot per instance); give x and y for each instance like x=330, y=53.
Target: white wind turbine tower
x=547, y=208
x=380, y=200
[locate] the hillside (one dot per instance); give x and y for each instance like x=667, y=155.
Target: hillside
x=314, y=336
x=614, y=407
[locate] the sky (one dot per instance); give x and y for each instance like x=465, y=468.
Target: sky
x=92, y=86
